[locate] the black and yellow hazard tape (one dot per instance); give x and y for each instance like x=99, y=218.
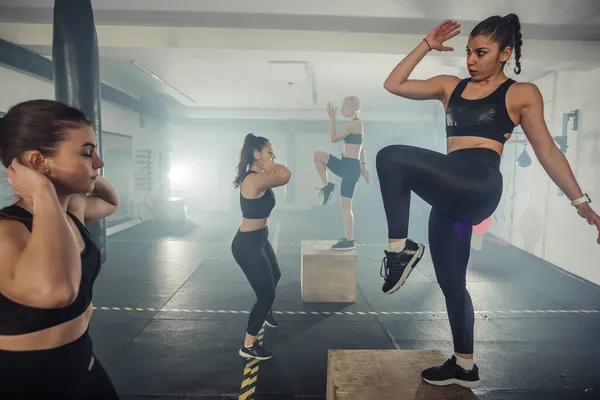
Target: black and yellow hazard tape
x=274, y=242
x=248, y=387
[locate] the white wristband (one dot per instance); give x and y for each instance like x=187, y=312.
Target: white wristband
x=583, y=199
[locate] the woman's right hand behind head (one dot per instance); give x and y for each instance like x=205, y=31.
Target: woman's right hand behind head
x=442, y=33
x=265, y=164
x=26, y=182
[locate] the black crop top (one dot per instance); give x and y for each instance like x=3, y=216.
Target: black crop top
x=486, y=117
x=260, y=207
x=354, y=138
x=16, y=319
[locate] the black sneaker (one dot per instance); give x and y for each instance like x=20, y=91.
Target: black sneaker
x=449, y=373
x=326, y=192
x=270, y=321
x=396, y=267
x=344, y=244
x=256, y=351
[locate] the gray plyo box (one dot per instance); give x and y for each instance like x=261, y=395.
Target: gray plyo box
x=328, y=276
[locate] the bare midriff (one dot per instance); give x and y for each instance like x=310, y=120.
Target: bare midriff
x=352, y=150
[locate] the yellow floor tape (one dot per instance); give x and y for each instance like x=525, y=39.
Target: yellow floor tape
x=250, y=377
x=197, y=311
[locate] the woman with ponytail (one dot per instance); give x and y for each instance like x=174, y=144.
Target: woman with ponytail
x=257, y=174
x=463, y=186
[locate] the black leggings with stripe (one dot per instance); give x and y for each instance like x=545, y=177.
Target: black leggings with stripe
x=255, y=255
x=463, y=187
x=70, y=372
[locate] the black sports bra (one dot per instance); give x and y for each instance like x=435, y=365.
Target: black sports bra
x=354, y=138
x=17, y=319
x=260, y=207
x=486, y=117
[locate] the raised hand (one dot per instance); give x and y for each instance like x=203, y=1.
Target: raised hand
x=331, y=110
x=441, y=33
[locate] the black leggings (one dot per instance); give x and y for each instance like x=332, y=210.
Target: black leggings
x=464, y=188
x=67, y=372
x=255, y=255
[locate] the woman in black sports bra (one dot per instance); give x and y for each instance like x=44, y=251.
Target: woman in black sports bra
x=49, y=261
x=350, y=167
x=463, y=186
x=257, y=175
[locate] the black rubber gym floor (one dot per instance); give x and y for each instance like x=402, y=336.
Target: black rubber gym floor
x=171, y=312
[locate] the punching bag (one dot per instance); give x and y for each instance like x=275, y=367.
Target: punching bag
x=76, y=74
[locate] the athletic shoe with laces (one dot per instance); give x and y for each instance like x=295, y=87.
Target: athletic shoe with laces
x=396, y=267
x=326, y=191
x=257, y=351
x=270, y=321
x=344, y=244
x=450, y=373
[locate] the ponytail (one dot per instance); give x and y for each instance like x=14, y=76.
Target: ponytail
x=513, y=20
x=251, y=143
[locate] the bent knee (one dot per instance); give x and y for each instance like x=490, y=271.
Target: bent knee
x=320, y=156
x=277, y=276
x=391, y=154
x=267, y=298
x=385, y=155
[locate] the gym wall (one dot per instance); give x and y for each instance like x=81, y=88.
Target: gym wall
x=534, y=215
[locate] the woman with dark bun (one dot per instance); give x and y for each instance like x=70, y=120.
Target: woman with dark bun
x=257, y=175
x=463, y=186
x=49, y=261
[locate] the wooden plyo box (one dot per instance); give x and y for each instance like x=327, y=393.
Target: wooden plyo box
x=386, y=375
x=327, y=275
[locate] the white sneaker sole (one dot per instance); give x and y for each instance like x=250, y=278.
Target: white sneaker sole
x=241, y=353
x=344, y=249
x=269, y=325
x=447, y=382
x=409, y=268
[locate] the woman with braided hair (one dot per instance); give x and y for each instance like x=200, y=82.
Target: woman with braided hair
x=463, y=186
